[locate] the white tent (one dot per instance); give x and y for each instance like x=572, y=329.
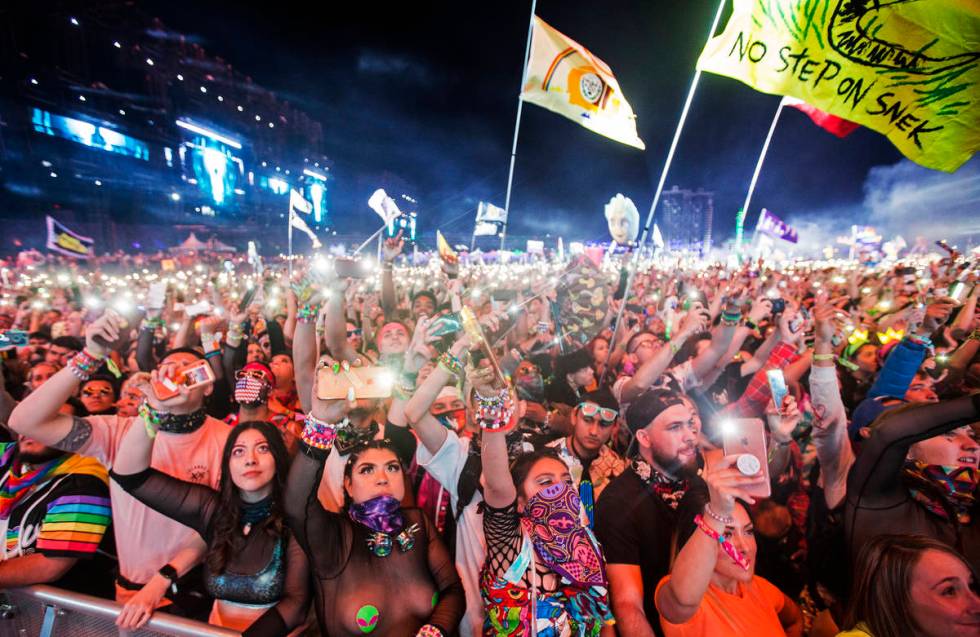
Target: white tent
x=215, y=245
x=190, y=244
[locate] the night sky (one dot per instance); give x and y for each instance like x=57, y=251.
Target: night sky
x=427, y=91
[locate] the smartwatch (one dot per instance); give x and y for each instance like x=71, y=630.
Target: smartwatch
x=170, y=573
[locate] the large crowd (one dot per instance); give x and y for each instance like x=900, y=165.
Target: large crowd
x=540, y=446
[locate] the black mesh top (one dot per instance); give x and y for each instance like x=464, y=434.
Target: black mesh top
x=399, y=593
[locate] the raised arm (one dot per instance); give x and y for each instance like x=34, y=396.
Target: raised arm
x=679, y=599
x=430, y=432
x=390, y=251
x=499, y=490
x=37, y=416
x=830, y=423
x=876, y=476
x=650, y=371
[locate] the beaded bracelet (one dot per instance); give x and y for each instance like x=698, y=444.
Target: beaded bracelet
x=496, y=412
x=307, y=313
x=153, y=323
x=82, y=364
x=320, y=434
x=726, y=544
x=727, y=520
x=451, y=364
x=151, y=419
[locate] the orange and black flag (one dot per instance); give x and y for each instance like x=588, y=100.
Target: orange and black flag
x=565, y=78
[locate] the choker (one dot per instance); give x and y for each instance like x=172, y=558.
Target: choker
x=181, y=423
x=254, y=512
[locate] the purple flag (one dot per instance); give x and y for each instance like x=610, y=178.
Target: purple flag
x=775, y=227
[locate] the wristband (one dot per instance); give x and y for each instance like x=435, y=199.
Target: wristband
x=824, y=357
x=730, y=320
x=749, y=324
x=320, y=434
x=974, y=335
x=451, y=364
x=307, y=313
x=150, y=418
x=726, y=545
x=212, y=354
x=82, y=364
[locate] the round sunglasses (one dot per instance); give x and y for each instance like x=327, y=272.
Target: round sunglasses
x=591, y=410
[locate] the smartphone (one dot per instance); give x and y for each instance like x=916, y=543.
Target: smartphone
x=367, y=382
x=504, y=295
x=127, y=320
x=958, y=291
x=350, y=268
x=777, y=386
x=156, y=295
x=247, y=298
x=634, y=308
x=201, y=307
x=191, y=376
x=778, y=306
x=748, y=436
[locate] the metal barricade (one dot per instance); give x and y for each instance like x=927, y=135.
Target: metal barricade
x=45, y=611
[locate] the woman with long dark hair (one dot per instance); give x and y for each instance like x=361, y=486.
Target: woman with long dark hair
x=712, y=589
x=545, y=574
x=912, y=586
x=255, y=569
x=377, y=567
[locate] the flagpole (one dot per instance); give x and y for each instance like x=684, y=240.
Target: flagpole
x=517, y=124
x=660, y=184
x=290, y=240
x=758, y=169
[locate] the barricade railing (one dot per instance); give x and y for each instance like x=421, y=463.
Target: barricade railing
x=45, y=611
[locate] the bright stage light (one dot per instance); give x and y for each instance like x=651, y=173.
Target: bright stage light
x=218, y=137
x=175, y=196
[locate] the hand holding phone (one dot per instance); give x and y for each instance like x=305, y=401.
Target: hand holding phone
x=195, y=375
x=744, y=439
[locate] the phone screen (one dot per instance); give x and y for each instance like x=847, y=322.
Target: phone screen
x=777, y=386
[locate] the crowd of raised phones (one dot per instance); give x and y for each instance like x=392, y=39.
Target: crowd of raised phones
x=311, y=454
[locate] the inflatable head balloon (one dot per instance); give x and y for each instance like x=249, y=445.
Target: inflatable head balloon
x=623, y=219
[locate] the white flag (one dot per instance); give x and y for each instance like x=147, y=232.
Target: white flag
x=384, y=206
x=297, y=222
x=658, y=239
x=298, y=203
x=485, y=229
x=489, y=212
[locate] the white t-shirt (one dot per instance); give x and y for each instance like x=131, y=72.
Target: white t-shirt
x=146, y=540
x=471, y=547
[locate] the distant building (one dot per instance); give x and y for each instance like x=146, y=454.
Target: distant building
x=685, y=218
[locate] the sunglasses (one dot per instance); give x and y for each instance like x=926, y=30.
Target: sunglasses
x=354, y=332
x=250, y=373
x=591, y=410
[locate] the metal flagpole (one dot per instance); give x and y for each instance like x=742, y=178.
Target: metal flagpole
x=660, y=184
x=758, y=169
x=290, y=239
x=517, y=124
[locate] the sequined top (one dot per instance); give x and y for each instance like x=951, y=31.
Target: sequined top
x=264, y=587
x=262, y=569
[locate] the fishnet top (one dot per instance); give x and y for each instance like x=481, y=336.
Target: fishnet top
x=505, y=539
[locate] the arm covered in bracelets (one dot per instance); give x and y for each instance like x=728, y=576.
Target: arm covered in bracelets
x=431, y=433
x=495, y=414
x=37, y=416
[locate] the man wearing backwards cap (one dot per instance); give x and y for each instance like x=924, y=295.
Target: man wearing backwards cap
x=636, y=515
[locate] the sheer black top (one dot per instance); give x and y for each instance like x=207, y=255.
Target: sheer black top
x=277, y=566
x=878, y=500
x=402, y=591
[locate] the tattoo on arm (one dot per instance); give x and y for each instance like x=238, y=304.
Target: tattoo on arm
x=80, y=432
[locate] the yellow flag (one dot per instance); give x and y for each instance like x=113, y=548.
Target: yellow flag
x=565, y=78
x=908, y=69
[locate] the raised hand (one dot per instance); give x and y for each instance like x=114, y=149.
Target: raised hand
x=726, y=484
x=783, y=422
x=101, y=332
